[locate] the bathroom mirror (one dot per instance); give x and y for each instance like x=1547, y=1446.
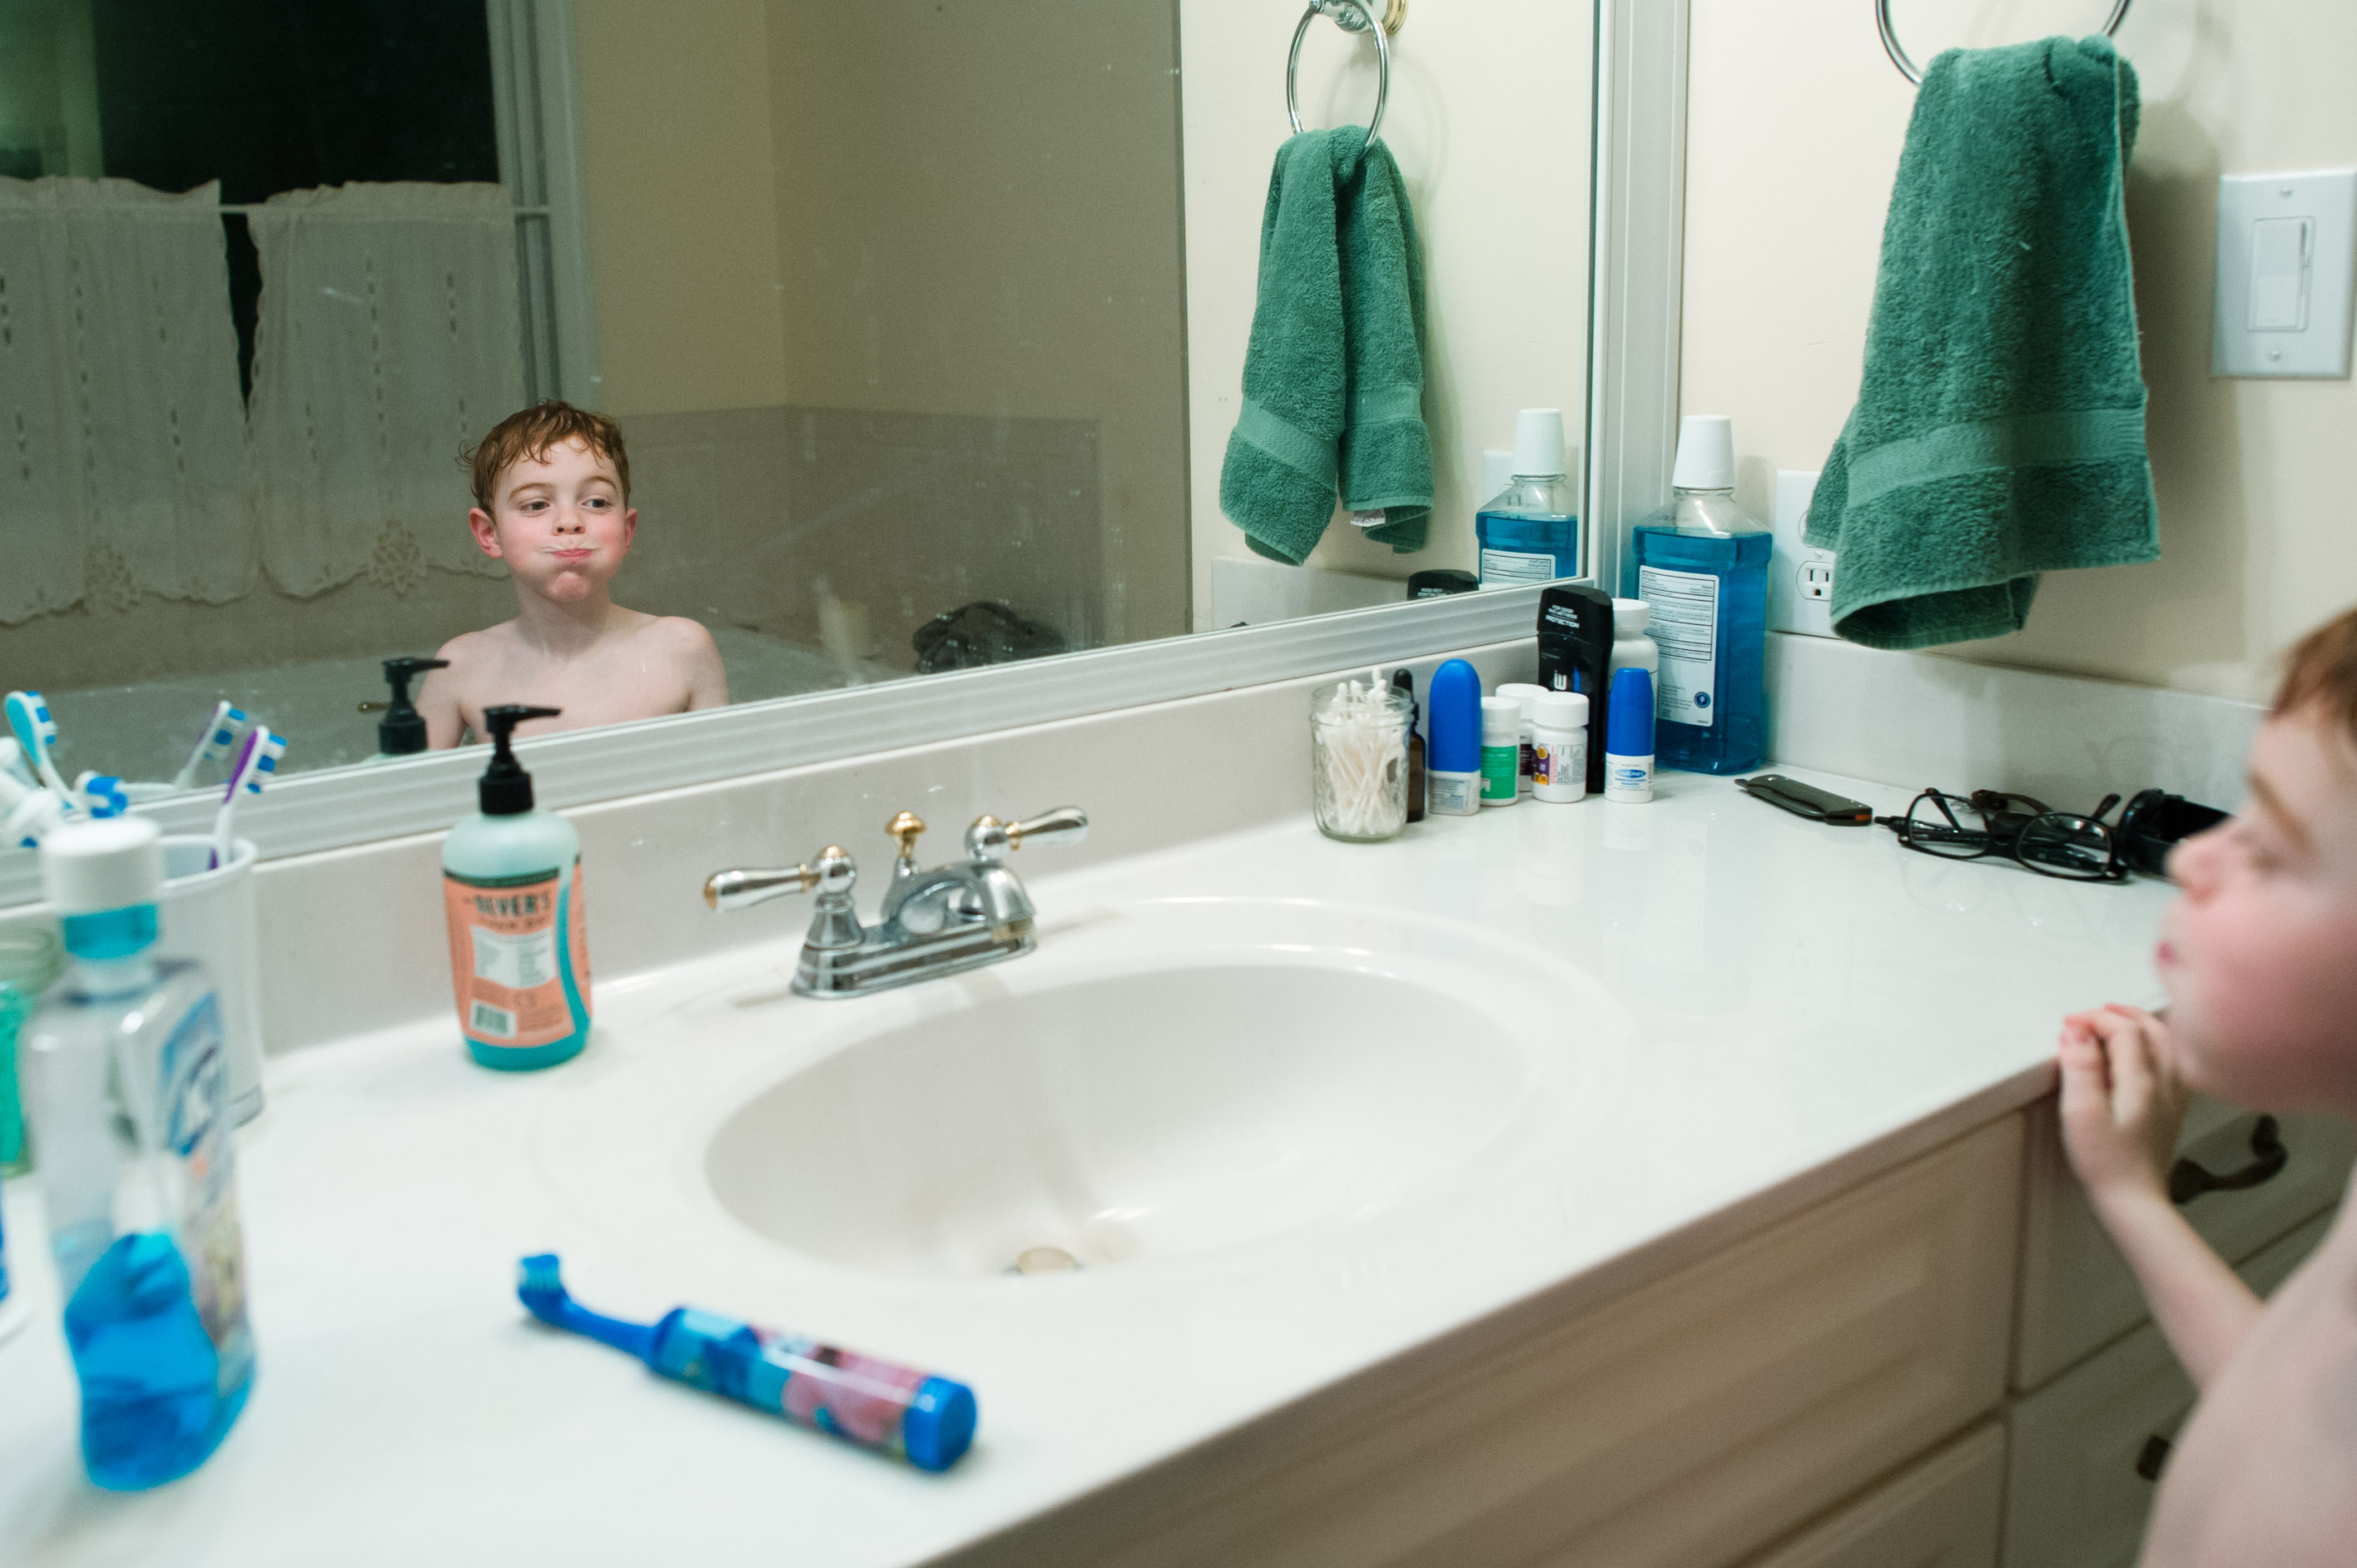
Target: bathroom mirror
x=904, y=309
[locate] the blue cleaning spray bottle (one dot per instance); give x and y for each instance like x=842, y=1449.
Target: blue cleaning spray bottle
x=881, y=1405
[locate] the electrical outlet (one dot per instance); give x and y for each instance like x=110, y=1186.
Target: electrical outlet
x=1800, y=580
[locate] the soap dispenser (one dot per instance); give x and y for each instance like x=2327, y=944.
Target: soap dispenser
x=519, y=944
x=402, y=731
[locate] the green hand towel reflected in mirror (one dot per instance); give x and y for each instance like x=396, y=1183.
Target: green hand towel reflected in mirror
x=1334, y=373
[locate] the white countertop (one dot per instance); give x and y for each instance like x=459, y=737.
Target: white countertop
x=1805, y=1005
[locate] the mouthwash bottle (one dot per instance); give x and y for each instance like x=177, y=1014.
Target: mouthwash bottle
x=1529, y=531
x=1701, y=562
x=128, y=1089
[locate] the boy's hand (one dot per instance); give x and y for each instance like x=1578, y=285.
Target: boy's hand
x=2122, y=1101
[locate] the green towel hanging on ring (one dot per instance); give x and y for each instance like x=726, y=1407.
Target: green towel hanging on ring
x=1333, y=380
x=1999, y=432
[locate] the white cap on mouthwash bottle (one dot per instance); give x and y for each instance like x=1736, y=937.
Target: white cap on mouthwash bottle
x=1538, y=443
x=1706, y=452
x=103, y=878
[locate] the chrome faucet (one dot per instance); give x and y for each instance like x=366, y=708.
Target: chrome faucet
x=953, y=918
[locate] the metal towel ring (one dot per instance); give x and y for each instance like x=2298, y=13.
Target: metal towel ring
x=1899, y=56
x=1351, y=17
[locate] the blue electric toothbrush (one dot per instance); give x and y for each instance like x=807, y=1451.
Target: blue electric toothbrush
x=928, y=1421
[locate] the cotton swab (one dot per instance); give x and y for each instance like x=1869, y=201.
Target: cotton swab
x=219, y=738
x=256, y=761
x=1362, y=758
x=29, y=716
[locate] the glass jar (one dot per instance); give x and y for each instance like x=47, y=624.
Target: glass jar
x=1358, y=761
x=30, y=962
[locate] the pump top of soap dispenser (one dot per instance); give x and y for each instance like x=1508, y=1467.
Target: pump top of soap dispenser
x=506, y=788
x=402, y=731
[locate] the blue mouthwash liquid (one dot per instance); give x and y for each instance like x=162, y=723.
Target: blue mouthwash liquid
x=1701, y=565
x=153, y=1403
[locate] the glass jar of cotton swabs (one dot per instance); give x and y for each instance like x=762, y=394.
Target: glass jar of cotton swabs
x=1358, y=759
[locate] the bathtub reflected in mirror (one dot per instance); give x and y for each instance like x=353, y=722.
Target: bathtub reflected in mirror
x=923, y=326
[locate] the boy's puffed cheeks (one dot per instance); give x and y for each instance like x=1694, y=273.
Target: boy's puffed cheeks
x=2259, y=951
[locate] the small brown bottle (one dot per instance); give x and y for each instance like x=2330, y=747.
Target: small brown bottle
x=1404, y=684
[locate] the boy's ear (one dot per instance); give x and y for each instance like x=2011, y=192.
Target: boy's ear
x=630, y=527
x=486, y=532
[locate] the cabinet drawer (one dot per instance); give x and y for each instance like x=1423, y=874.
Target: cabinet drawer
x=2077, y=1294
x=2076, y=1497
x=1682, y=1425
x=1940, y=1513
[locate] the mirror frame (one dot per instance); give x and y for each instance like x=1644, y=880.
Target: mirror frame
x=1637, y=196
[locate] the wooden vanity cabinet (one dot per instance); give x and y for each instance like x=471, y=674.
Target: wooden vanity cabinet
x=1842, y=1388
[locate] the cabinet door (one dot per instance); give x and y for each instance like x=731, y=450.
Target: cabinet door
x=2088, y=1447
x=2077, y=1294
x=1683, y=1424
x=1940, y=1513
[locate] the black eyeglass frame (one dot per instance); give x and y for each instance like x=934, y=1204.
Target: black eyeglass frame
x=2004, y=829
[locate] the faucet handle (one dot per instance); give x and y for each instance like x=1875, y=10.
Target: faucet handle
x=990, y=841
x=833, y=872
x=906, y=827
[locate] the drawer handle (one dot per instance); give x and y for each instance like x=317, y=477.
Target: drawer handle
x=2154, y=1455
x=2188, y=1180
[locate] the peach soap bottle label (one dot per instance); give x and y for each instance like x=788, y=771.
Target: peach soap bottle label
x=519, y=958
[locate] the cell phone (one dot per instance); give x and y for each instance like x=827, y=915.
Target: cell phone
x=1807, y=801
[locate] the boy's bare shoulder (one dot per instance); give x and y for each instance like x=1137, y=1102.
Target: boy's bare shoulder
x=678, y=631
x=470, y=645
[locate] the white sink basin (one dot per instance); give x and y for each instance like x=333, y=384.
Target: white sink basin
x=1161, y=1080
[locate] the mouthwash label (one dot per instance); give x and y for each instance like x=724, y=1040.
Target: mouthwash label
x=1516, y=569
x=505, y=960
x=1684, y=626
x=194, y=1080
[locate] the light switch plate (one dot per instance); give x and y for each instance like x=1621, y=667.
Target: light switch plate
x=2286, y=271
x=1800, y=580
x=1497, y=473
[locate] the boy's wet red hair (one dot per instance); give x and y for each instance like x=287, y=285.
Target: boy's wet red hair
x=531, y=432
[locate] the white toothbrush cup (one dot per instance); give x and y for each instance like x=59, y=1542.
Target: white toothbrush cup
x=206, y=913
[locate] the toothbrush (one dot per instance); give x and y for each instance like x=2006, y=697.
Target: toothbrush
x=28, y=813
x=879, y=1405
x=220, y=733
x=101, y=795
x=28, y=715
x=256, y=761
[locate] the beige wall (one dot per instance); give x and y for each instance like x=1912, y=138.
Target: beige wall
x=898, y=207
x=682, y=196
x=978, y=215
x=1793, y=136
x=1488, y=119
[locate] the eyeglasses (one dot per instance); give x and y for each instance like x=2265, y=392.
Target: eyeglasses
x=2021, y=828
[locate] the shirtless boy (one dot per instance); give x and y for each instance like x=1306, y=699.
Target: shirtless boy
x=2259, y=958
x=553, y=501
